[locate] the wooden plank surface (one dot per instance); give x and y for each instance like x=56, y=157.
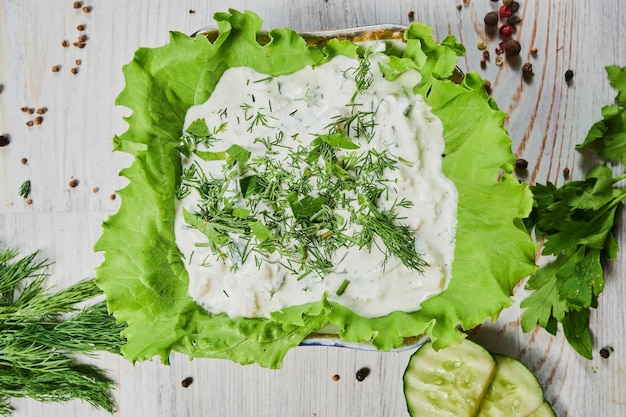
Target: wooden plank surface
x=547, y=117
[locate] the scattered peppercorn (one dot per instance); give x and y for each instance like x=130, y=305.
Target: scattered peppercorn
x=514, y=6
x=78, y=62
x=362, y=373
x=486, y=54
x=38, y=120
x=512, y=47
x=77, y=4
x=487, y=85
x=4, y=140
x=30, y=123
x=411, y=15
x=506, y=31
x=112, y=197
x=491, y=19
x=566, y=172
x=336, y=377
x=24, y=109
x=521, y=163
x=82, y=38
x=95, y=189
x=56, y=68
x=527, y=69
x=483, y=63
x=73, y=183
x=514, y=20
x=74, y=70
x=533, y=50
x=42, y=110
x=87, y=9
x=29, y=201
x=569, y=74
x=82, y=45
x=466, y=1
x=80, y=27
x=30, y=110
x=500, y=48
x=505, y=11
x=76, y=44
x=191, y=11
x=186, y=382
x=507, y=2
x=24, y=161
x=606, y=351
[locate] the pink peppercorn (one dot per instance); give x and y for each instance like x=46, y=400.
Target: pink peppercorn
x=506, y=31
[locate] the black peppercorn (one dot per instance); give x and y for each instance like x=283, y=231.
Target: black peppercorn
x=512, y=47
x=527, y=69
x=514, y=6
x=362, y=373
x=521, y=163
x=491, y=19
x=186, y=382
x=514, y=20
x=569, y=74
x=4, y=140
x=605, y=352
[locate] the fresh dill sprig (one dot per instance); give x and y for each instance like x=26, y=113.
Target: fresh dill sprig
x=41, y=332
x=363, y=76
x=397, y=239
x=25, y=189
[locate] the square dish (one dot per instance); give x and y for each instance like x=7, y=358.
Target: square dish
x=144, y=274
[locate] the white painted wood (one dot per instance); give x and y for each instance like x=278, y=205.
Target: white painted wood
x=546, y=119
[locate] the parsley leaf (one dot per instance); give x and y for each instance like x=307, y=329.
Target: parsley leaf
x=577, y=221
x=608, y=136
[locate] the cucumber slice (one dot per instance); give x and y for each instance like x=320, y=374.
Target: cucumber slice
x=514, y=391
x=447, y=383
x=544, y=410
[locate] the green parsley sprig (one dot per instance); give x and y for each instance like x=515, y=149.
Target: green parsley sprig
x=577, y=222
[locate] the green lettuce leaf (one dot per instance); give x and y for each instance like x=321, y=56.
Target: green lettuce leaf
x=143, y=275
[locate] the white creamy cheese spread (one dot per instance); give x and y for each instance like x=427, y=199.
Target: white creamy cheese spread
x=276, y=119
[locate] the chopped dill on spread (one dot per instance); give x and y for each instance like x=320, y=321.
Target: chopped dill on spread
x=300, y=209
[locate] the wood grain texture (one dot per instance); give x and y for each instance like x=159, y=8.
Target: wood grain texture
x=547, y=117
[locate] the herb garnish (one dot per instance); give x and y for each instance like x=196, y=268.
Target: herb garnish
x=25, y=189
x=322, y=197
x=38, y=339
x=577, y=221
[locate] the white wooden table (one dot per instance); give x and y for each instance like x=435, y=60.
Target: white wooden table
x=547, y=118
